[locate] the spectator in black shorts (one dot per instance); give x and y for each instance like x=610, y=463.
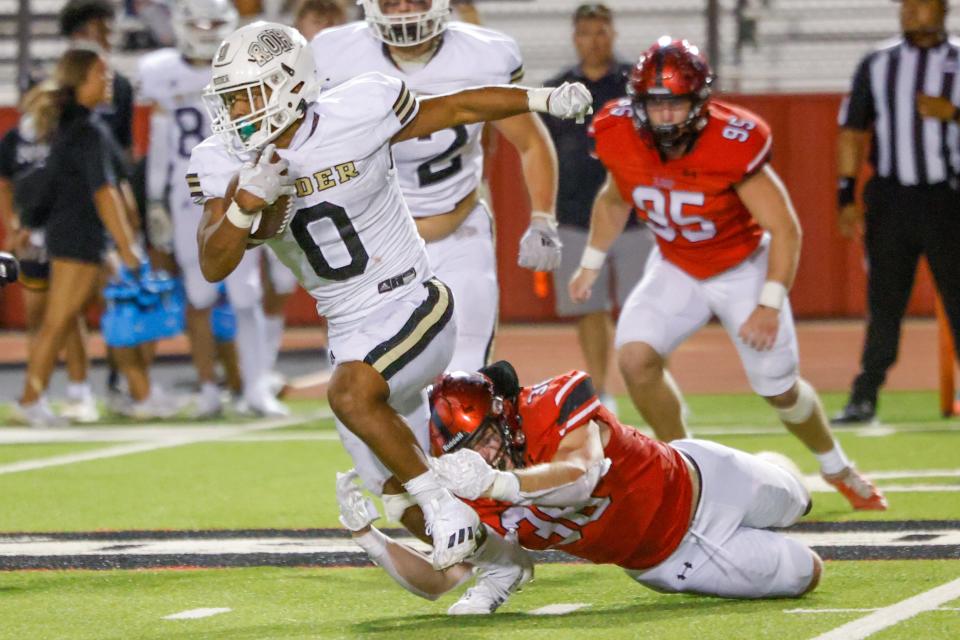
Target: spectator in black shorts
x=581, y=176
x=23, y=154
x=91, y=24
x=86, y=173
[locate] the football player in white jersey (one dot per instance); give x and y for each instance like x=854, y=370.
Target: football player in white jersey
x=342, y=227
x=173, y=80
x=440, y=174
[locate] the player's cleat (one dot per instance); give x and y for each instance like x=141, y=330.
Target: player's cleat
x=83, y=410
x=856, y=413
x=38, y=415
x=453, y=527
x=208, y=403
x=266, y=406
x=157, y=406
x=858, y=490
x=495, y=582
x=277, y=384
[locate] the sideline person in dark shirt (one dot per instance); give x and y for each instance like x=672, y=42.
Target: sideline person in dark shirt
x=580, y=177
x=23, y=156
x=87, y=197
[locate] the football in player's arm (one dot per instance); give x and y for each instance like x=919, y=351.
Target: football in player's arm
x=391, y=322
x=226, y=225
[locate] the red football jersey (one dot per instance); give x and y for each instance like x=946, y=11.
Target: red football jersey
x=701, y=224
x=639, y=511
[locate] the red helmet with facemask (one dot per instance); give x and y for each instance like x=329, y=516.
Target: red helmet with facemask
x=670, y=70
x=465, y=409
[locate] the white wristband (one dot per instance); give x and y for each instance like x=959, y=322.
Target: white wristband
x=505, y=487
x=772, y=295
x=592, y=258
x=373, y=542
x=537, y=99
x=238, y=218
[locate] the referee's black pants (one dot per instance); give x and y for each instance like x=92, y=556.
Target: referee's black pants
x=901, y=224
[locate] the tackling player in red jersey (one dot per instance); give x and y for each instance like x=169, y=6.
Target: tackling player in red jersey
x=697, y=171
x=551, y=466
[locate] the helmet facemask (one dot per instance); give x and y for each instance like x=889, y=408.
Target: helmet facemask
x=407, y=29
x=668, y=136
x=466, y=413
x=271, y=70
x=266, y=119
x=670, y=71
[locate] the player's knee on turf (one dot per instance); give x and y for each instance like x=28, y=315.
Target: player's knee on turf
x=640, y=364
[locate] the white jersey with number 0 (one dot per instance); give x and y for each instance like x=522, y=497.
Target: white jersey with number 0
x=437, y=171
x=352, y=243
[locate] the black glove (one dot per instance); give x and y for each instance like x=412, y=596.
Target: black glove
x=9, y=268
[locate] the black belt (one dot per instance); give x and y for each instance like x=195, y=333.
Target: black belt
x=397, y=281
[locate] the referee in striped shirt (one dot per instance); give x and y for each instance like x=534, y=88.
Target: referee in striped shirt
x=905, y=94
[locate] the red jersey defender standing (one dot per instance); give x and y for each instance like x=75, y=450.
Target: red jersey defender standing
x=697, y=171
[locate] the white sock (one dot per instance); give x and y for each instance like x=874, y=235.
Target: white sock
x=77, y=391
x=274, y=337
x=250, y=335
x=833, y=461
x=209, y=389
x=425, y=488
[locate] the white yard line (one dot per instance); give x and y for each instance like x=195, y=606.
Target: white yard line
x=139, y=433
x=558, y=609
x=831, y=610
x=193, y=614
x=169, y=440
x=856, y=610
x=888, y=616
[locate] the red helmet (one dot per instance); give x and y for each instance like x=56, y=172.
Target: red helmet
x=464, y=408
x=670, y=70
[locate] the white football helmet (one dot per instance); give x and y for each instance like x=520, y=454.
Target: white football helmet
x=406, y=29
x=199, y=26
x=269, y=66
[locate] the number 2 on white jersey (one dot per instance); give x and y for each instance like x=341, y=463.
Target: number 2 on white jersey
x=659, y=204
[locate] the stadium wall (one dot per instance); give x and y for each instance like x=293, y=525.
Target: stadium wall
x=831, y=281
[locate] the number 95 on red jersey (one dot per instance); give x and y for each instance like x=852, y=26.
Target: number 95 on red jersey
x=690, y=203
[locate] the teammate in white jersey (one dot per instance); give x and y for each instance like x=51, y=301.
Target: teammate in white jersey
x=350, y=238
x=172, y=80
x=440, y=174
